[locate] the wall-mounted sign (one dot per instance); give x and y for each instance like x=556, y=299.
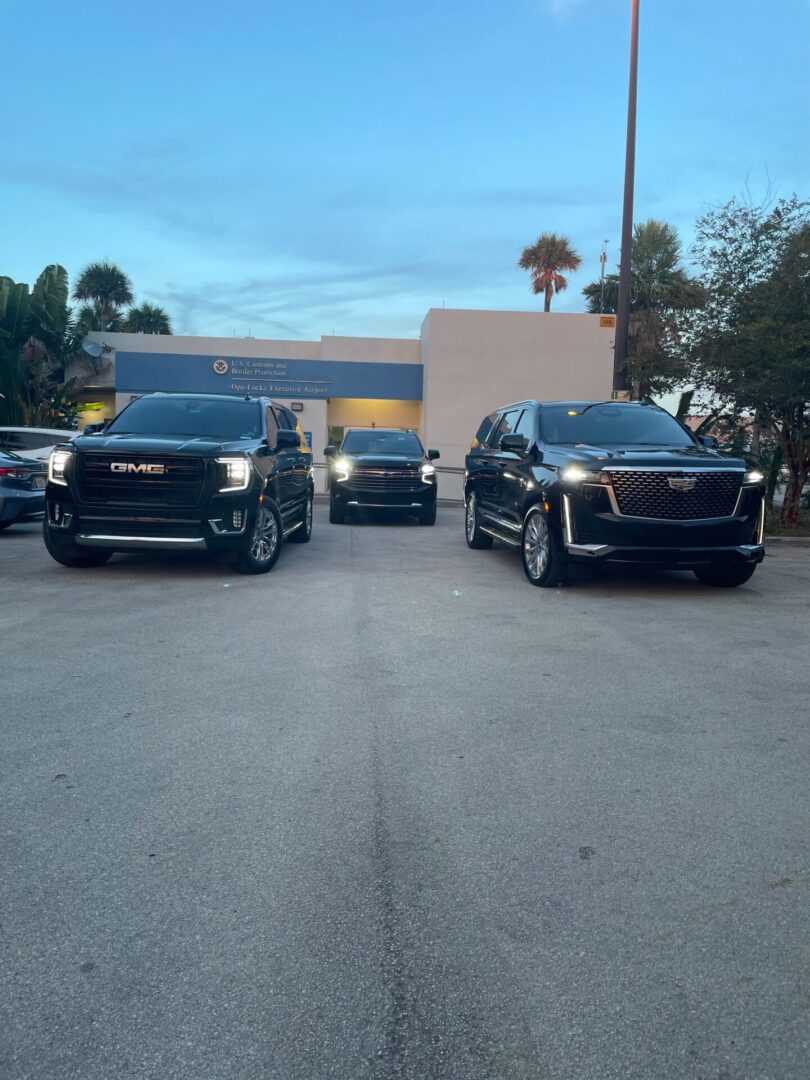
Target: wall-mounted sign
x=607, y=320
x=297, y=406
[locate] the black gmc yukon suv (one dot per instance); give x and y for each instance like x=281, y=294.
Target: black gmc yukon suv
x=620, y=481
x=196, y=472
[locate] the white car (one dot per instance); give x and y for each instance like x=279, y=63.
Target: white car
x=33, y=442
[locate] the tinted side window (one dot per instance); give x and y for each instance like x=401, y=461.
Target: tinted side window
x=486, y=426
x=506, y=426
x=525, y=426
x=272, y=428
x=287, y=420
x=26, y=440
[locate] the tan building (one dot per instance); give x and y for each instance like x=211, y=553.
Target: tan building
x=442, y=384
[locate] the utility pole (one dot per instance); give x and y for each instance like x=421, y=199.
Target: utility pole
x=602, y=261
x=620, y=387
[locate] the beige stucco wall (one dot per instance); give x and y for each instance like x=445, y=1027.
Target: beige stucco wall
x=374, y=412
x=475, y=361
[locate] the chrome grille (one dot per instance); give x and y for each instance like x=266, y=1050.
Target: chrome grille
x=179, y=485
x=648, y=494
x=386, y=480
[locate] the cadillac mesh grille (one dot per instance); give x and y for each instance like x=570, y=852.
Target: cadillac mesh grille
x=179, y=485
x=648, y=494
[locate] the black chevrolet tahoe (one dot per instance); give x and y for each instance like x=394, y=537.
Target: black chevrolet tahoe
x=616, y=481
x=382, y=468
x=195, y=472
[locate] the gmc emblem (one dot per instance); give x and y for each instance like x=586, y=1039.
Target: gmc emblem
x=130, y=466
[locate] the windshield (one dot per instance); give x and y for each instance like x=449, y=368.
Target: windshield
x=226, y=421
x=382, y=442
x=612, y=425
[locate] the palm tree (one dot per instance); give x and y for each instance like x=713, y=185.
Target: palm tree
x=147, y=319
x=660, y=292
x=105, y=288
x=545, y=259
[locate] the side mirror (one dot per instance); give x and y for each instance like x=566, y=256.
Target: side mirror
x=330, y=451
x=709, y=441
x=93, y=429
x=433, y=454
x=515, y=444
x=286, y=438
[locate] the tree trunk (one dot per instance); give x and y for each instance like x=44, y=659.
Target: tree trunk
x=756, y=436
x=773, y=477
x=793, y=492
x=547, y=306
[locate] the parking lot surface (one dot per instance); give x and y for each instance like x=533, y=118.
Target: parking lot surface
x=390, y=811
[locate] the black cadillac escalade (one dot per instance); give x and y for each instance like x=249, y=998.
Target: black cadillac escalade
x=195, y=472
x=617, y=481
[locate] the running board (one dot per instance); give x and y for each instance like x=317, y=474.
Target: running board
x=510, y=540
x=286, y=532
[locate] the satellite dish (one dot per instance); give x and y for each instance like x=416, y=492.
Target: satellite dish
x=92, y=348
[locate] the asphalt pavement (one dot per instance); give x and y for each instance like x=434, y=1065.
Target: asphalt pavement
x=389, y=811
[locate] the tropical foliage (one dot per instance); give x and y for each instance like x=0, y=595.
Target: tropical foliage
x=546, y=260
x=661, y=291
x=40, y=336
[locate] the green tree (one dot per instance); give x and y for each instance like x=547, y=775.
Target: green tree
x=660, y=292
x=755, y=352
x=147, y=319
x=546, y=259
x=105, y=289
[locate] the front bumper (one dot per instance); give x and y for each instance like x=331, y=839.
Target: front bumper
x=592, y=531
x=220, y=526
x=421, y=498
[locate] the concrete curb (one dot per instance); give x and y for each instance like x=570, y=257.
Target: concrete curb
x=791, y=541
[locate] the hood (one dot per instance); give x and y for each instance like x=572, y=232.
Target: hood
x=195, y=445
x=385, y=461
x=673, y=457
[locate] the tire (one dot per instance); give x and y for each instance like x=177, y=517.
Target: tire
x=336, y=514
x=725, y=577
x=70, y=555
x=543, y=562
x=472, y=526
x=303, y=533
x=263, y=547
x=428, y=515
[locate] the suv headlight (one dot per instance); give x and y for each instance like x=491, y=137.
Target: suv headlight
x=753, y=476
x=428, y=473
x=237, y=473
x=575, y=474
x=343, y=469
x=57, y=466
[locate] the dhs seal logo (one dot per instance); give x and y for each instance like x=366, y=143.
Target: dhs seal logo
x=221, y=367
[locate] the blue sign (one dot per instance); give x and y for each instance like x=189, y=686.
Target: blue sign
x=142, y=373
x=308, y=437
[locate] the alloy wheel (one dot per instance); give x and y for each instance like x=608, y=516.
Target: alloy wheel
x=470, y=518
x=265, y=536
x=536, y=545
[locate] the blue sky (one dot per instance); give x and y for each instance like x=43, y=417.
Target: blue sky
x=290, y=169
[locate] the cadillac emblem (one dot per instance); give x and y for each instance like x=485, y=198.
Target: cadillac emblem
x=682, y=483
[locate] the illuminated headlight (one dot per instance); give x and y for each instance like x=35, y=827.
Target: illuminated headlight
x=428, y=473
x=57, y=466
x=343, y=468
x=753, y=476
x=575, y=474
x=237, y=473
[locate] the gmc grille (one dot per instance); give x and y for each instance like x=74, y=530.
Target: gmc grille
x=385, y=480
x=640, y=493
x=180, y=485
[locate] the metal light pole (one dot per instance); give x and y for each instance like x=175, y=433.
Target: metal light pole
x=602, y=261
x=620, y=386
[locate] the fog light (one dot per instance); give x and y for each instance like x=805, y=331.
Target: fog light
x=238, y=518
